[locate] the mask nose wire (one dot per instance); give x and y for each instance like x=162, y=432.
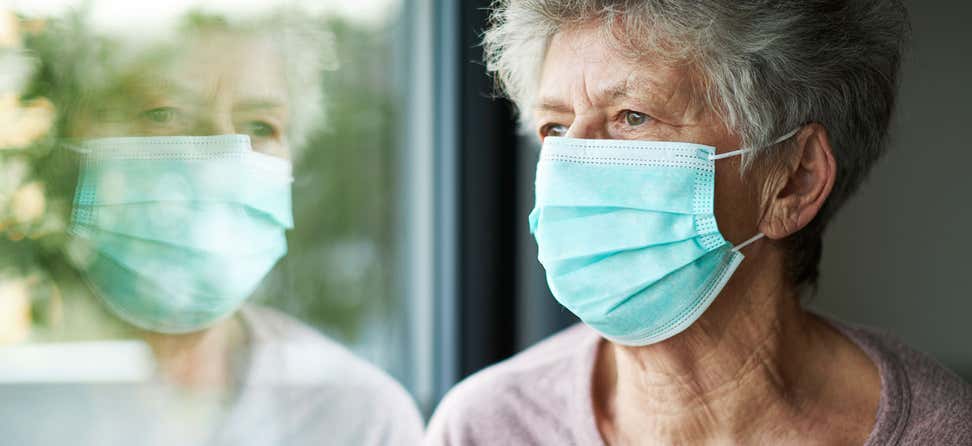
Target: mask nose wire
x=745, y=150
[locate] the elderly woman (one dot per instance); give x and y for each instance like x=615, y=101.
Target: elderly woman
x=180, y=208
x=679, y=137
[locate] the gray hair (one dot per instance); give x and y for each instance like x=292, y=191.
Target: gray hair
x=766, y=66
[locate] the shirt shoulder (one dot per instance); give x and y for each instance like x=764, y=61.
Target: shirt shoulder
x=934, y=405
x=941, y=402
x=335, y=390
x=522, y=400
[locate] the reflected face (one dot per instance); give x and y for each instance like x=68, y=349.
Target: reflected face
x=186, y=249
x=588, y=89
x=218, y=84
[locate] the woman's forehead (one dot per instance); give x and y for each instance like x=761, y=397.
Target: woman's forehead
x=249, y=69
x=582, y=58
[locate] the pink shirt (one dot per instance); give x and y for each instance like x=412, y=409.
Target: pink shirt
x=542, y=396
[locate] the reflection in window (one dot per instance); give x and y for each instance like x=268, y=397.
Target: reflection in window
x=145, y=190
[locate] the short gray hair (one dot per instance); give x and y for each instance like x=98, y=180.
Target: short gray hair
x=307, y=49
x=766, y=66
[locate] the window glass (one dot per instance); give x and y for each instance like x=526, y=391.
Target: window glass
x=198, y=223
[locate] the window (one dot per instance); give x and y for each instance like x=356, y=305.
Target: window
x=116, y=107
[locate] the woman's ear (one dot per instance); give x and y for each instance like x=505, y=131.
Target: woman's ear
x=804, y=183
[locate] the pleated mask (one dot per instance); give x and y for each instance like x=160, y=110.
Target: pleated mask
x=176, y=232
x=627, y=235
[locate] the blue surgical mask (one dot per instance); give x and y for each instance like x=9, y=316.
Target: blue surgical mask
x=174, y=233
x=627, y=235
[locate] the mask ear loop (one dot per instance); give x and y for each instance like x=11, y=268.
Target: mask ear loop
x=739, y=152
x=748, y=242
x=744, y=150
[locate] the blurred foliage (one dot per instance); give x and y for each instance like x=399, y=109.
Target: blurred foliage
x=340, y=261
x=338, y=271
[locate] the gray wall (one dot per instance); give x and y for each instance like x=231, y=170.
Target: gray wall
x=899, y=255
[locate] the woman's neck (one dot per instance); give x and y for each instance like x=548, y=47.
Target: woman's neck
x=754, y=363
x=200, y=361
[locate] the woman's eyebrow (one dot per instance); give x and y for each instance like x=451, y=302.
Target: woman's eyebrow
x=610, y=92
x=613, y=91
x=553, y=105
x=259, y=104
x=638, y=88
x=171, y=87
x=643, y=89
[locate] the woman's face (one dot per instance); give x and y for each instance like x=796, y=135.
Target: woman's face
x=216, y=84
x=175, y=223
x=588, y=89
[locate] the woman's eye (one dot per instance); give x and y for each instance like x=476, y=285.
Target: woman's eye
x=553, y=130
x=261, y=129
x=634, y=118
x=160, y=115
